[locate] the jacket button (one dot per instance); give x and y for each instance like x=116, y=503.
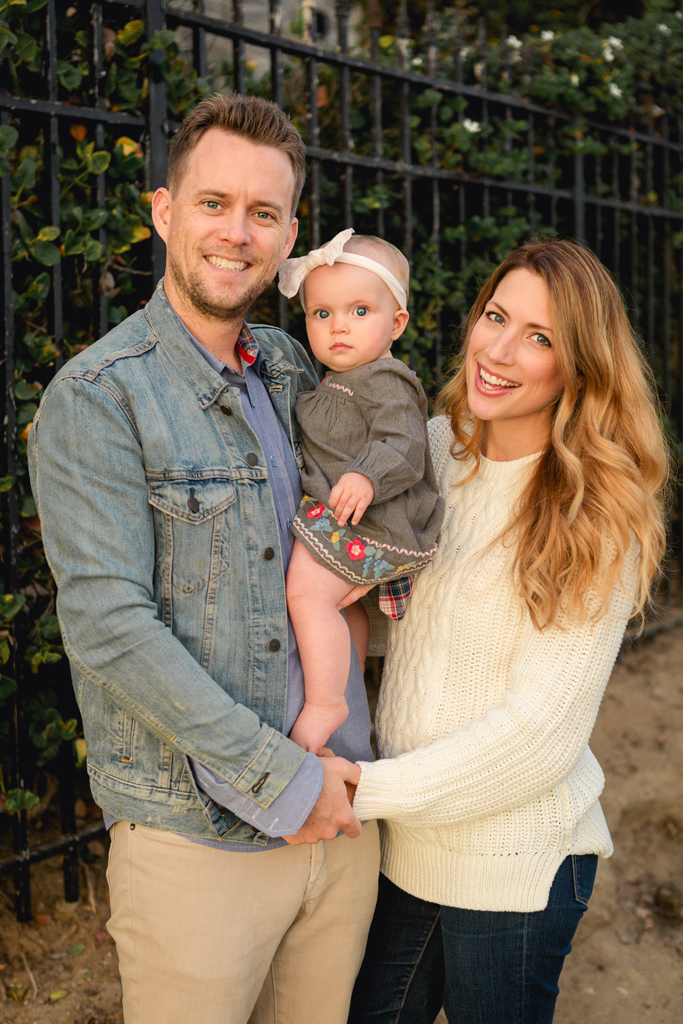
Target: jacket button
x=192, y=503
x=268, y=554
x=252, y=460
x=258, y=785
x=273, y=645
x=226, y=410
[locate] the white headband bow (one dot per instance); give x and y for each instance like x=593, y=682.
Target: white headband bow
x=294, y=272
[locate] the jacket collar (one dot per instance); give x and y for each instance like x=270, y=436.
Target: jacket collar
x=206, y=382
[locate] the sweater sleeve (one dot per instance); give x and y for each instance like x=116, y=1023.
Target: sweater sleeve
x=519, y=749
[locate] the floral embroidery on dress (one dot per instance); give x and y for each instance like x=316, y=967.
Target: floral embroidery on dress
x=373, y=565
x=356, y=549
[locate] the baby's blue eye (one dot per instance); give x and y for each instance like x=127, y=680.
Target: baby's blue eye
x=362, y=311
x=321, y=314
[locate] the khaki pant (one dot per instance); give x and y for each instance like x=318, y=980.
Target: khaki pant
x=208, y=936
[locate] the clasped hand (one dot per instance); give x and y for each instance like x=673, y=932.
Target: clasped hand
x=333, y=811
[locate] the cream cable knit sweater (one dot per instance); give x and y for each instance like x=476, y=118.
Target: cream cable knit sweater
x=485, y=780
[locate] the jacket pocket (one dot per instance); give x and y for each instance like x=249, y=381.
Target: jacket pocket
x=192, y=514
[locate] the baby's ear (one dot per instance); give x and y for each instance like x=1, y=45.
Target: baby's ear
x=401, y=318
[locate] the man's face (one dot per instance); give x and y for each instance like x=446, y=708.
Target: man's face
x=227, y=226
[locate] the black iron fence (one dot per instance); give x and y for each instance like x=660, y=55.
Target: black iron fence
x=452, y=172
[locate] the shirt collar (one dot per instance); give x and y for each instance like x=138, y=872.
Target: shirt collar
x=247, y=348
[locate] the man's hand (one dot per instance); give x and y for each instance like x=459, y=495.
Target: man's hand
x=332, y=812
x=352, y=493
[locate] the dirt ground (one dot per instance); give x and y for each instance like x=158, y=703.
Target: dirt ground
x=627, y=963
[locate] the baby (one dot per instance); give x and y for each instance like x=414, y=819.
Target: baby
x=371, y=510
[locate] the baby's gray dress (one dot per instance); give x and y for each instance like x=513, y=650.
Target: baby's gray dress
x=370, y=420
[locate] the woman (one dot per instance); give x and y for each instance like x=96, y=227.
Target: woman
x=552, y=465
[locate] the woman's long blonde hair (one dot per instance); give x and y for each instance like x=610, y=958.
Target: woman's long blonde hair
x=602, y=480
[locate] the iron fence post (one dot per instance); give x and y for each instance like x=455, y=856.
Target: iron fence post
x=157, y=127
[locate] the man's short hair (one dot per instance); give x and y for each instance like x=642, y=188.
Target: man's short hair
x=250, y=117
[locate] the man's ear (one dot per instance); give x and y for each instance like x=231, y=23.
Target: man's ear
x=290, y=239
x=161, y=211
x=401, y=318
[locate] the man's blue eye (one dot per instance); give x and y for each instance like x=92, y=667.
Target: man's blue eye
x=361, y=311
x=212, y=204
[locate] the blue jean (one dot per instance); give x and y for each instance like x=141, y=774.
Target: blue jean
x=484, y=967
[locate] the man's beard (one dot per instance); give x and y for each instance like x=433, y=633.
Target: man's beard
x=195, y=293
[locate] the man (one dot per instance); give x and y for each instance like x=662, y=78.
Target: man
x=164, y=463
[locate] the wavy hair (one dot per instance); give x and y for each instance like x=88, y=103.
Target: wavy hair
x=602, y=481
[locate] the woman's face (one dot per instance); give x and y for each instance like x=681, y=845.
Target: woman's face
x=513, y=380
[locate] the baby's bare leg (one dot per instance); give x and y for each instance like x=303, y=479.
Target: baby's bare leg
x=313, y=594
x=359, y=627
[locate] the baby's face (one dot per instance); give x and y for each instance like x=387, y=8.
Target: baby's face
x=351, y=316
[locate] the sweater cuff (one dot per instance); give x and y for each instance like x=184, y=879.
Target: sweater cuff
x=380, y=792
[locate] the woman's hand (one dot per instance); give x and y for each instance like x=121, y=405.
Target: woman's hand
x=352, y=493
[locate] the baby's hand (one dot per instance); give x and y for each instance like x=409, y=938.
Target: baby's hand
x=351, y=494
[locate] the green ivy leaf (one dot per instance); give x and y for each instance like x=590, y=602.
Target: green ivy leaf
x=6, y=483
x=7, y=686
x=46, y=253
x=25, y=176
x=66, y=731
x=11, y=605
x=19, y=800
x=8, y=136
x=98, y=162
x=39, y=288
x=24, y=391
x=26, y=413
x=73, y=244
x=94, y=219
x=4, y=658
x=48, y=233
x=130, y=32
x=69, y=75
x=93, y=251
x=27, y=506
x=41, y=347
x=49, y=628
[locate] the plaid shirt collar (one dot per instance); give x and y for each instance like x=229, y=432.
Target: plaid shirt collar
x=247, y=346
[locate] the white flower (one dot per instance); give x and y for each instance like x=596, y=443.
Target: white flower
x=615, y=90
x=547, y=36
x=614, y=42
x=678, y=14
x=465, y=51
x=608, y=53
x=574, y=78
x=664, y=29
x=514, y=42
x=478, y=69
x=416, y=61
x=515, y=57
x=471, y=126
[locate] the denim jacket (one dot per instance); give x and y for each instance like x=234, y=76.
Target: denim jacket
x=160, y=529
